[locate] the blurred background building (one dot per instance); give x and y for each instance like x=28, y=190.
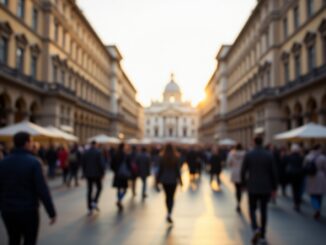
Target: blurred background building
x=55, y=70
x=171, y=119
x=273, y=77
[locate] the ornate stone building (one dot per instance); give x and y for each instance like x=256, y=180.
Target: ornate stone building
x=172, y=119
x=275, y=72
x=54, y=68
x=123, y=101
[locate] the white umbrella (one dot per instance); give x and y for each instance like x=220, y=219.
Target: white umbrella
x=227, y=142
x=34, y=130
x=308, y=131
x=104, y=139
x=62, y=134
x=132, y=141
x=145, y=141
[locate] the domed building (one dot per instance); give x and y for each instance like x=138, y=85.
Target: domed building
x=171, y=119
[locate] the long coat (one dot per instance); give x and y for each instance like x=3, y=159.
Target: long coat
x=234, y=162
x=317, y=184
x=117, y=161
x=216, y=163
x=259, y=171
x=143, y=162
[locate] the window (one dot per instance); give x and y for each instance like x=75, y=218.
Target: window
x=296, y=17
x=55, y=73
x=63, y=77
x=184, y=132
x=311, y=57
x=20, y=59
x=285, y=28
x=56, y=32
x=286, y=71
x=310, y=8
x=34, y=66
x=64, y=39
x=324, y=48
x=3, y=50
x=156, y=132
x=4, y=2
x=297, y=64
x=35, y=19
x=21, y=8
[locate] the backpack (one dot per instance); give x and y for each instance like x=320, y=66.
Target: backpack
x=310, y=168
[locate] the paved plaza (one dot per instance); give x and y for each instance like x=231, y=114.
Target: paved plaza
x=201, y=216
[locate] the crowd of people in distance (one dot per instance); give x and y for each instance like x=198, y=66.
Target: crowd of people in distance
x=259, y=170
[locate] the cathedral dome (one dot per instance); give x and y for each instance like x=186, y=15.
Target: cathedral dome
x=172, y=87
x=172, y=91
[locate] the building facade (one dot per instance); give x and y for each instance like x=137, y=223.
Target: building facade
x=275, y=71
x=123, y=101
x=172, y=119
x=54, y=68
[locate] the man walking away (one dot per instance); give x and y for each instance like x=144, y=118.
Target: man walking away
x=259, y=173
x=93, y=169
x=143, y=162
x=22, y=186
x=51, y=157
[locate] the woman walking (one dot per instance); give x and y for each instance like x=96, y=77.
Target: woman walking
x=315, y=165
x=216, y=165
x=169, y=176
x=235, y=161
x=121, y=167
x=294, y=171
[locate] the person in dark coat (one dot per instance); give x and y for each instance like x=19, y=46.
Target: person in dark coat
x=169, y=176
x=51, y=157
x=295, y=173
x=74, y=159
x=22, y=187
x=258, y=172
x=134, y=168
x=216, y=165
x=93, y=170
x=121, y=167
x=144, y=168
x=192, y=160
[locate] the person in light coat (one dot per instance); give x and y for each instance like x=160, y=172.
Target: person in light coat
x=234, y=162
x=316, y=184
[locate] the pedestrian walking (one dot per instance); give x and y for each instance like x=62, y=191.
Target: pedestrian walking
x=294, y=171
x=192, y=161
x=51, y=157
x=216, y=166
x=134, y=169
x=121, y=167
x=74, y=159
x=22, y=187
x=64, y=163
x=93, y=170
x=144, y=168
x=315, y=167
x=169, y=176
x=234, y=162
x=259, y=173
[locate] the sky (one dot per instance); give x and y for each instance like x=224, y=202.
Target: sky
x=160, y=37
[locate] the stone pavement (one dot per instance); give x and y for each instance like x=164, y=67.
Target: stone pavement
x=201, y=216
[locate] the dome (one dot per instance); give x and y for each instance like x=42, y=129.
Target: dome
x=172, y=86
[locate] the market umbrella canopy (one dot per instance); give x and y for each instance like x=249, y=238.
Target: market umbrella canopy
x=104, y=139
x=34, y=130
x=62, y=134
x=227, y=142
x=308, y=131
x=132, y=141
